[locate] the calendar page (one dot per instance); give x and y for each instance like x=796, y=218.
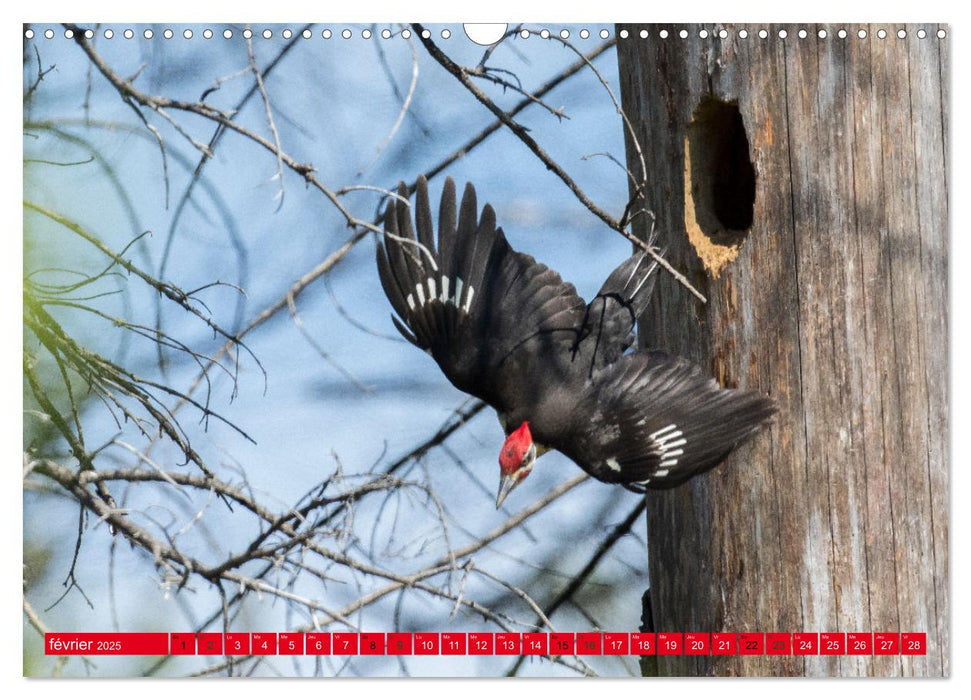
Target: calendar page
x=529, y=349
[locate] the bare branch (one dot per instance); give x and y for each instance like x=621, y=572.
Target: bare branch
x=269, y=117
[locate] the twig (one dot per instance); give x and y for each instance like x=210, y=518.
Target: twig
x=389, y=74
x=41, y=72
x=34, y=619
x=294, y=541
x=611, y=157
x=486, y=73
x=492, y=47
x=405, y=104
x=230, y=225
x=519, y=592
x=326, y=265
x=325, y=356
x=269, y=117
x=345, y=314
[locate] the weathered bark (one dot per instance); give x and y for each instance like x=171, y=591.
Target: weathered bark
x=834, y=301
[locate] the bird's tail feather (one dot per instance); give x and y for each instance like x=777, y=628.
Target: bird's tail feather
x=431, y=286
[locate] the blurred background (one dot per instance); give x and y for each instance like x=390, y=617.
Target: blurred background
x=324, y=397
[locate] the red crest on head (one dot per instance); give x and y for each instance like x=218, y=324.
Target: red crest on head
x=514, y=448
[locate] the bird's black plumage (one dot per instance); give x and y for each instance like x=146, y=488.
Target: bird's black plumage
x=508, y=330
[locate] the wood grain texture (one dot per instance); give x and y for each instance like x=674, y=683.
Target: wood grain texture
x=836, y=305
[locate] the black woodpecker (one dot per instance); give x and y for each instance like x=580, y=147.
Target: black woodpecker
x=561, y=373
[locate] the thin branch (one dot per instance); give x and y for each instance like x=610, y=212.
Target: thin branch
x=269, y=116
x=405, y=105
x=487, y=73
x=324, y=355
x=41, y=73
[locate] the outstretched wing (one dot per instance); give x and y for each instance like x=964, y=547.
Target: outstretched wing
x=608, y=324
x=654, y=421
x=487, y=314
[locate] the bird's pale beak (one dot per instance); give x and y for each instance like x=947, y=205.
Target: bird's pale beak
x=511, y=481
x=507, y=484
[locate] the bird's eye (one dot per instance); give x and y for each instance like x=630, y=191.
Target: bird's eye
x=525, y=459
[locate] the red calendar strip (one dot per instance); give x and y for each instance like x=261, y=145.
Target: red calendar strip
x=486, y=643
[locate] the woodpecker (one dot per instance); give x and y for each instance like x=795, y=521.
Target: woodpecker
x=562, y=374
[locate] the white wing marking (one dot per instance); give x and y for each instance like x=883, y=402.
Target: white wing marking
x=655, y=434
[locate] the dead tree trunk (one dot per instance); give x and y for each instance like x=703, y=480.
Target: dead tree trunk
x=801, y=185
